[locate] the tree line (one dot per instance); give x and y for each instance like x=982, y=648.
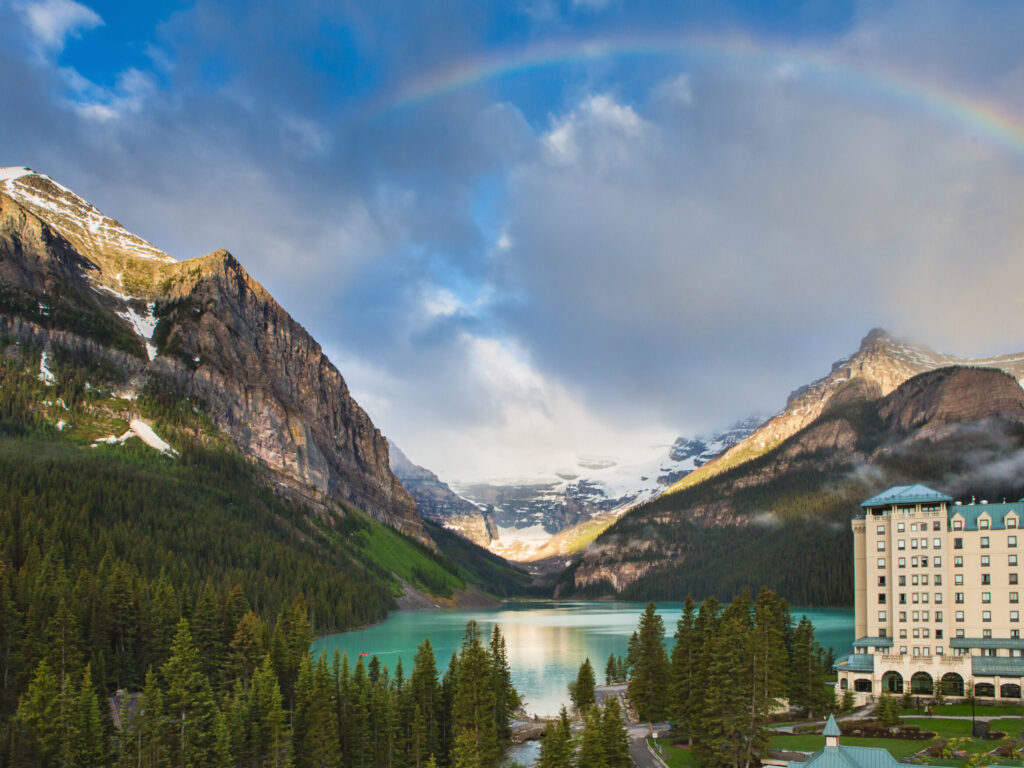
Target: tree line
x=269, y=703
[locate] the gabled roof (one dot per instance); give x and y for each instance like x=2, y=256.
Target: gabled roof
x=997, y=512
x=906, y=494
x=848, y=757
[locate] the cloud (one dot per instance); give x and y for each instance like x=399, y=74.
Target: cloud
x=52, y=22
x=582, y=259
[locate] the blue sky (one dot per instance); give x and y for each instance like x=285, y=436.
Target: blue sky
x=530, y=231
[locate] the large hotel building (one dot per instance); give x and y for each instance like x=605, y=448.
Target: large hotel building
x=937, y=596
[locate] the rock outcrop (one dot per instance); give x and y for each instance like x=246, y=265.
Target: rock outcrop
x=73, y=277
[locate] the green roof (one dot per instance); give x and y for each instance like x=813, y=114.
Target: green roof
x=906, y=494
x=831, y=729
x=848, y=757
x=986, y=642
x=998, y=512
x=997, y=665
x=856, y=662
x=877, y=642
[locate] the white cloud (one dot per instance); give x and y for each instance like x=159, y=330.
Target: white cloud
x=52, y=22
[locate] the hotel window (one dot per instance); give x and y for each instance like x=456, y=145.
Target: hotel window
x=903, y=650
x=903, y=562
x=1011, y=541
x=1013, y=578
x=915, y=579
x=881, y=615
x=938, y=648
x=938, y=616
x=917, y=650
x=1013, y=559
x=986, y=597
x=901, y=544
x=903, y=634
x=913, y=562
x=924, y=597
x=983, y=525
x=984, y=542
x=958, y=562
x=917, y=633
x=880, y=530
x=913, y=543
x=924, y=616
x=913, y=526
x=938, y=579
x=959, y=597
x=1015, y=635
x=937, y=561
x=958, y=579
x=924, y=543
x=960, y=634
x=1015, y=597
x=957, y=543
x=986, y=616
x=924, y=562
x=925, y=633
x=881, y=581
x=938, y=597
x=1011, y=522
x=985, y=561
x=958, y=525
x=936, y=526
x=916, y=598
x=881, y=598
x=924, y=580
x=916, y=615
x=936, y=543
x=986, y=578
x=1014, y=615
x=881, y=545
x=987, y=635
x=881, y=562
x=903, y=598
x=903, y=581
x=938, y=634
x=903, y=615
x=901, y=527
x=959, y=615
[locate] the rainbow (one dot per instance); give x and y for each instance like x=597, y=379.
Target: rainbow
x=981, y=119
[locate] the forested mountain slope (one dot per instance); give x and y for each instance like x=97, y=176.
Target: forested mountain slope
x=782, y=519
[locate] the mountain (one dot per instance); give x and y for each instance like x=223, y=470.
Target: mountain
x=74, y=281
x=545, y=519
x=881, y=363
x=775, y=509
x=440, y=504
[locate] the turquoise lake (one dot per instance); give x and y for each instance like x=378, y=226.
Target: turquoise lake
x=547, y=641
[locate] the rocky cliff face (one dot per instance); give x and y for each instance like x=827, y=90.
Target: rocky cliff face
x=880, y=365
x=439, y=503
x=73, y=277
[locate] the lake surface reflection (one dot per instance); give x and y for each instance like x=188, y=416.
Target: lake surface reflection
x=547, y=641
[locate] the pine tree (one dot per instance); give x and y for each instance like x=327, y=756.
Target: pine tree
x=614, y=735
x=473, y=699
x=556, y=746
x=648, y=685
x=425, y=694
x=37, y=726
x=190, y=706
x=581, y=690
x=592, y=746
x=88, y=742
x=506, y=698
x=611, y=670
x=683, y=691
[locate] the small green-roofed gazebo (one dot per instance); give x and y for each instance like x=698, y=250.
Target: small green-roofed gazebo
x=834, y=755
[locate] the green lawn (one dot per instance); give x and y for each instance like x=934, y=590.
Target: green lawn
x=899, y=748
x=986, y=710
x=947, y=729
x=675, y=757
